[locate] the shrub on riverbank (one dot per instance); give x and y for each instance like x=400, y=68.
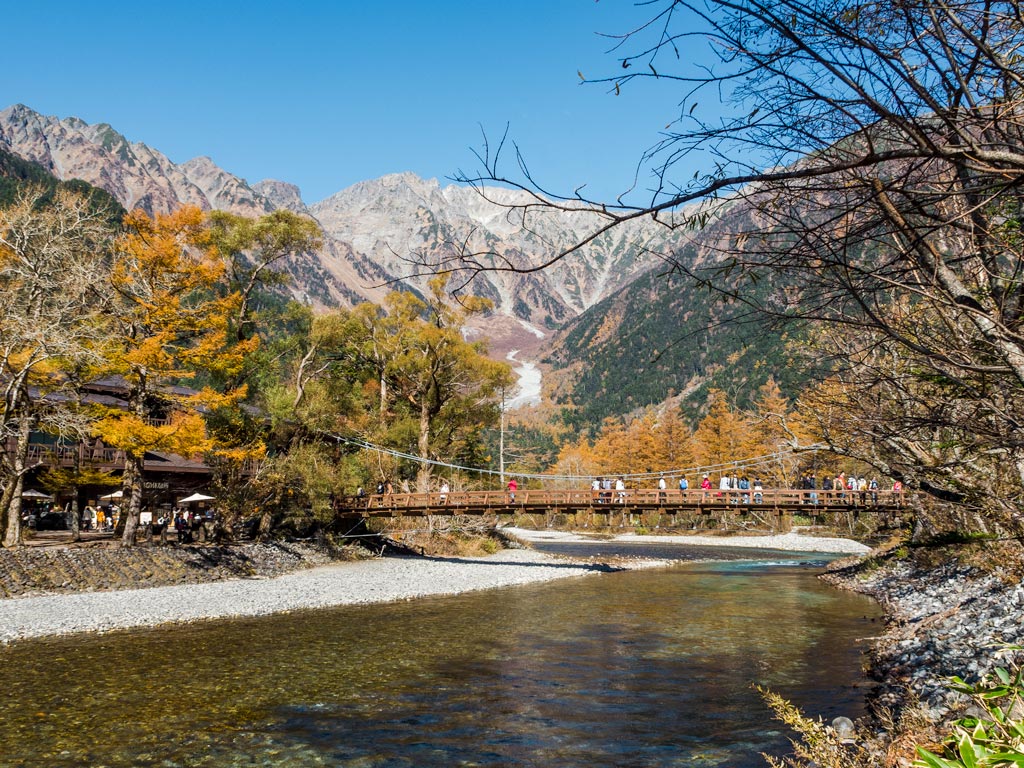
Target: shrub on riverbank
x=992, y=736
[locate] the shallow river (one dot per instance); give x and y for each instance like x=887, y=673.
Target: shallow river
x=640, y=668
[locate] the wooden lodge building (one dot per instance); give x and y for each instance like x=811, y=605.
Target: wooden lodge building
x=166, y=477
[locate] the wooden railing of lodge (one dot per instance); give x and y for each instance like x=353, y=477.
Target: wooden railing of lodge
x=82, y=455
x=482, y=502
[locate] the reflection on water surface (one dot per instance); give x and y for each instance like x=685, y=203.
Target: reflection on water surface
x=645, y=668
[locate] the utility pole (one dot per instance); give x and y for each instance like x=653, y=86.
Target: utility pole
x=501, y=441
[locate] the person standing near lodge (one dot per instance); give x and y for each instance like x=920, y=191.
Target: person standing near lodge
x=181, y=527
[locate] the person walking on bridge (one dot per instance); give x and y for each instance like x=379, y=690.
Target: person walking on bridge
x=513, y=486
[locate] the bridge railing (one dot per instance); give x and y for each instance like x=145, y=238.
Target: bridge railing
x=636, y=497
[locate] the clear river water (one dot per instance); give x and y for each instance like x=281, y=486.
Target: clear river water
x=636, y=668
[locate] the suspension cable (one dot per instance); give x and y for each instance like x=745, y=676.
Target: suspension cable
x=751, y=463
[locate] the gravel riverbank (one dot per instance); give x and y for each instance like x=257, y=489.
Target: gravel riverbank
x=788, y=542
x=236, y=592
x=367, y=581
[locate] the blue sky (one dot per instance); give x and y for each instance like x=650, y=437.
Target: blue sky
x=326, y=94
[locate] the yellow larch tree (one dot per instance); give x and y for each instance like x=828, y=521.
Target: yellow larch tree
x=775, y=432
x=172, y=326
x=674, y=442
x=721, y=437
x=642, y=436
x=612, y=448
x=577, y=460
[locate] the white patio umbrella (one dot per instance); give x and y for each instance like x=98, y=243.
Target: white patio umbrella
x=114, y=495
x=195, y=497
x=34, y=494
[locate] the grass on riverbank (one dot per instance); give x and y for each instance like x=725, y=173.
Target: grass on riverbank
x=454, y=536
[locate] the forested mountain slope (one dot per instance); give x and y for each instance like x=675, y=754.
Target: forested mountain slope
x=17, y=173
x=665, y=335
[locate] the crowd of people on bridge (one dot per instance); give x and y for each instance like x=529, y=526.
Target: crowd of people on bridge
x=737, y=488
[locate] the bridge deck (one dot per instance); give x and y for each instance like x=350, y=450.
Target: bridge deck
x=776, y=501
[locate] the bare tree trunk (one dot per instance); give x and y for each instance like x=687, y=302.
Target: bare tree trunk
x=266, y=523
x=133, y=505
x=423, y=477
x=76, y=531
x=12, y=500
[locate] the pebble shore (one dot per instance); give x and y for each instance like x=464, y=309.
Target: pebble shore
x=788, y=542
x=367, y=581
x=942, y=620
x=348, y=583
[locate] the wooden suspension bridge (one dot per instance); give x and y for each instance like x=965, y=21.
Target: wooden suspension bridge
x=773, y=508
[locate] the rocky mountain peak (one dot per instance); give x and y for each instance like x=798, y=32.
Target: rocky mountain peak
x=378, y=232
x=281, y=194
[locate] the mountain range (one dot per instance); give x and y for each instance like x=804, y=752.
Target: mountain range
x=375, y=231
x=621, y=335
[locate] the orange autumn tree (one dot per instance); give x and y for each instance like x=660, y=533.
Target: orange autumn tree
x=776, y=431
x=722, y=437
x=673, y=442
x=172, y=328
